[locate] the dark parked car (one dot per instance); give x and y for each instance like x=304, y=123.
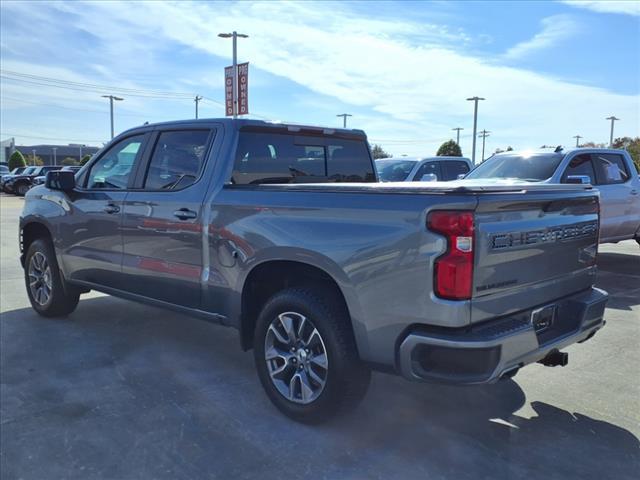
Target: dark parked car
x=283, y=232
x=20, y=184
x=41, y=179
x=15, y=172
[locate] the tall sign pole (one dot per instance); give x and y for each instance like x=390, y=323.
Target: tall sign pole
x=613, y=120
x=457, y=129
x=475, y=126
x=234, y=70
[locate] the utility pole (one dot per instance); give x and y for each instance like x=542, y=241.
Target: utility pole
x=577, y=137
x=484, y=134
x=613, y=119
x=197, y=99
x=457, y=129
x=111, y=99
x=33, y=152
x=234, y=35
x=55, y=158
x=80, y=158
x=344, y=118
x=475, y=125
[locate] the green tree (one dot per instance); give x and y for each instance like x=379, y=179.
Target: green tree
x=16, y=160
x=85, y=159
x=69, y=161
x=35, y=161
x=449, y=149
x=631, y=145
x=593, y=145
x=378, y=152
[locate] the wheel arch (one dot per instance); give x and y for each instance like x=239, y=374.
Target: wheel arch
x=270, y=276
x=31, y=231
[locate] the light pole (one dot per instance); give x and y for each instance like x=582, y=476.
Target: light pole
x=344, y=118
x=234, y=35
x=197, y=99
x=577, y=137
x=55, y=158
x=111, y=99
x=484, y=134
x=457, y=129
x=613, y=119
x=475, y=125
x=33, y=153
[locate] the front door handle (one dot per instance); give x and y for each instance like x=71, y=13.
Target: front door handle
x=634, y=192
x=185, y=214
x=112, y=208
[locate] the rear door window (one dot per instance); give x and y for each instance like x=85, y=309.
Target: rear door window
x=451, y=169
x=177, y=159
x=426, y=168
x=610, y=168
x=265, y=157
x=580, y=165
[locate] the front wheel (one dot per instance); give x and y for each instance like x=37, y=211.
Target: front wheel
x=306, y=355
x=47, y=291
x=21, y=189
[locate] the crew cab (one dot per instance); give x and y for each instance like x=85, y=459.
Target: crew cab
x=422, y=169
x=611, y=171
x=284, y=233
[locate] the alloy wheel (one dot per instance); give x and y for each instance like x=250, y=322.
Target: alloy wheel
x=40, y=278
x=296, y=357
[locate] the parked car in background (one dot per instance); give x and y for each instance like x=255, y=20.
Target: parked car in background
x=16, y=171
x=611, y=171
x=422, y=169
x=20, y=184
x=4, y=170
x=41, y=179
x=284, y=232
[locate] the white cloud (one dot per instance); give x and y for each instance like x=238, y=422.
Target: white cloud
x=554, y=29
x=627, y=7
x=411, y=78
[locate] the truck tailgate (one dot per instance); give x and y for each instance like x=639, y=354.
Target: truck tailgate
x=532, y=247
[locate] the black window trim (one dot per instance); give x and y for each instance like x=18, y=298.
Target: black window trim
x=145, y=161
x=85, y=175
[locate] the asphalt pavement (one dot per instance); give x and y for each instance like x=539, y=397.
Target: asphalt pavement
x=120, y=390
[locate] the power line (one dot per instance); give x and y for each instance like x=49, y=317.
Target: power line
x=27, y=135
x=20, y=100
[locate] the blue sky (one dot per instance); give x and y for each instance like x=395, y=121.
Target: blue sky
x=549, y=70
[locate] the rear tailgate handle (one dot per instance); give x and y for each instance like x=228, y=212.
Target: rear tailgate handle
x=112, y=208
x=185, y=214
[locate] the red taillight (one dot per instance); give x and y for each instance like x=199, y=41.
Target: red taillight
x=454, y=270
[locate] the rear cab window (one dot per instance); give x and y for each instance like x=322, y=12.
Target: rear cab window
x=264, y=157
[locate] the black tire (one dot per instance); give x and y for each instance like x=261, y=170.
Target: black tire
x=63, y=298
x=347, y=378
x=21, y=189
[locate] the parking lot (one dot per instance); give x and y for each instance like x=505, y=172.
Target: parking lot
x=121, y=390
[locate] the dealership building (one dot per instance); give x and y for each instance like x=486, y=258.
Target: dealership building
x=50, y=154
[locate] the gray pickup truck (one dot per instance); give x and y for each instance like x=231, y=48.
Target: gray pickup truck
x=283, y=232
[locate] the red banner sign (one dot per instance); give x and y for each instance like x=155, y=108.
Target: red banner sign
x=243, y=88
x=228, y=91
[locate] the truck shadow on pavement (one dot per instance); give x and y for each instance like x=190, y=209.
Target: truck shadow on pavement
x=131, y=391
x=619, y=275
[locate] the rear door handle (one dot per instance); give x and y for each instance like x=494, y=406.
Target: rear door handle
x=112, y=208
x=634, y=192
x=185, y=214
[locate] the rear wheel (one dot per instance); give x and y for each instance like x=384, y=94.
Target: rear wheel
x=47, y=291
x=306, y=355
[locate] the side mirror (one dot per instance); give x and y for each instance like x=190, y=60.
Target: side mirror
x=429, y=177
x=580, y=179
x=461, y=176
x=60, y=180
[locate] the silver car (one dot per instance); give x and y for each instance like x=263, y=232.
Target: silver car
x=421, y=169
x=611, y=171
